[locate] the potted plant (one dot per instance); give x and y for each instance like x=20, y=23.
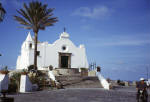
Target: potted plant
x=24, y=72
x=4, y=70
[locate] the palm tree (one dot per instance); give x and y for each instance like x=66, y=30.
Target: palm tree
x=2, y=13
x=35, y=16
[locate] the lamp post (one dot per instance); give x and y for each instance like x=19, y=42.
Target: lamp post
x=2, y=13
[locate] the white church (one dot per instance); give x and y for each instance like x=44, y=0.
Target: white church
x=60, y=54
x=63, y=55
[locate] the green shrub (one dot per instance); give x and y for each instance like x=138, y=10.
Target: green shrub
x=4, y=70
x=38, y=78
x=30, y=68
x=14, y=82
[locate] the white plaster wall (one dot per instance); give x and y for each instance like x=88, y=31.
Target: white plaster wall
x=78, y=58
x=23, y=60
x=49, y=54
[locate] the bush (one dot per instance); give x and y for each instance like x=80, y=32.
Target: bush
x=24, y=72
x=38, y=78
x=13, y=87
x=121, y=83
x=14, y=84
x=31, y=68
x=4, y=70
x=118, y=81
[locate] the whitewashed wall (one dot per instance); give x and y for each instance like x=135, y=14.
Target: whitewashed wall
x=49, y=53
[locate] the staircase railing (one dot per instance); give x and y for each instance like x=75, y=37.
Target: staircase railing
x=103, y=81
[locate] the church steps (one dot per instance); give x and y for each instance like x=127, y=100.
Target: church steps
x=78, y=81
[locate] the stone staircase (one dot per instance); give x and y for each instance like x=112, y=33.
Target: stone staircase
x=78, y=81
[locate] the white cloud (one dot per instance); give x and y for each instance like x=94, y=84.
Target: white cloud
x=94, y=13
x=120, y=40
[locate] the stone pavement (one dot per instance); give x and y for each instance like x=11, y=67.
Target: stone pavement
x=78, y=95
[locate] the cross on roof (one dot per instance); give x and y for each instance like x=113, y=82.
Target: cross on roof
x=64, y=29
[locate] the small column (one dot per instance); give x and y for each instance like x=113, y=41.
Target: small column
x=25, y=84
x=4, y=81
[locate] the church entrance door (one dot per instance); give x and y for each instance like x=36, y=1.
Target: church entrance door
x=64, y=60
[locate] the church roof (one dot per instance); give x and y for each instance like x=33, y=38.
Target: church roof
x=29, y=38
x=64, y=35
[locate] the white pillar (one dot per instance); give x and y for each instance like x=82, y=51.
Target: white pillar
x=4, y=81
x=25, y=84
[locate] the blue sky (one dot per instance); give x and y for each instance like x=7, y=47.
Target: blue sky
x=116, y=33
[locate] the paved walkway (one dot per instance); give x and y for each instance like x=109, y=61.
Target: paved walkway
x=78, y=95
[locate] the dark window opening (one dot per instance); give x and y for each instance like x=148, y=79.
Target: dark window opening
x=38, y=53
x=64, y=48
x=30, y=46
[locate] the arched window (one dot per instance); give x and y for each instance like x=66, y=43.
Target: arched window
x=30, y=46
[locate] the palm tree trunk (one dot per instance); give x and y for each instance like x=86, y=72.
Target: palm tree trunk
x=35, y=50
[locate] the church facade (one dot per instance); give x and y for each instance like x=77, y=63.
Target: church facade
x=60, y=54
